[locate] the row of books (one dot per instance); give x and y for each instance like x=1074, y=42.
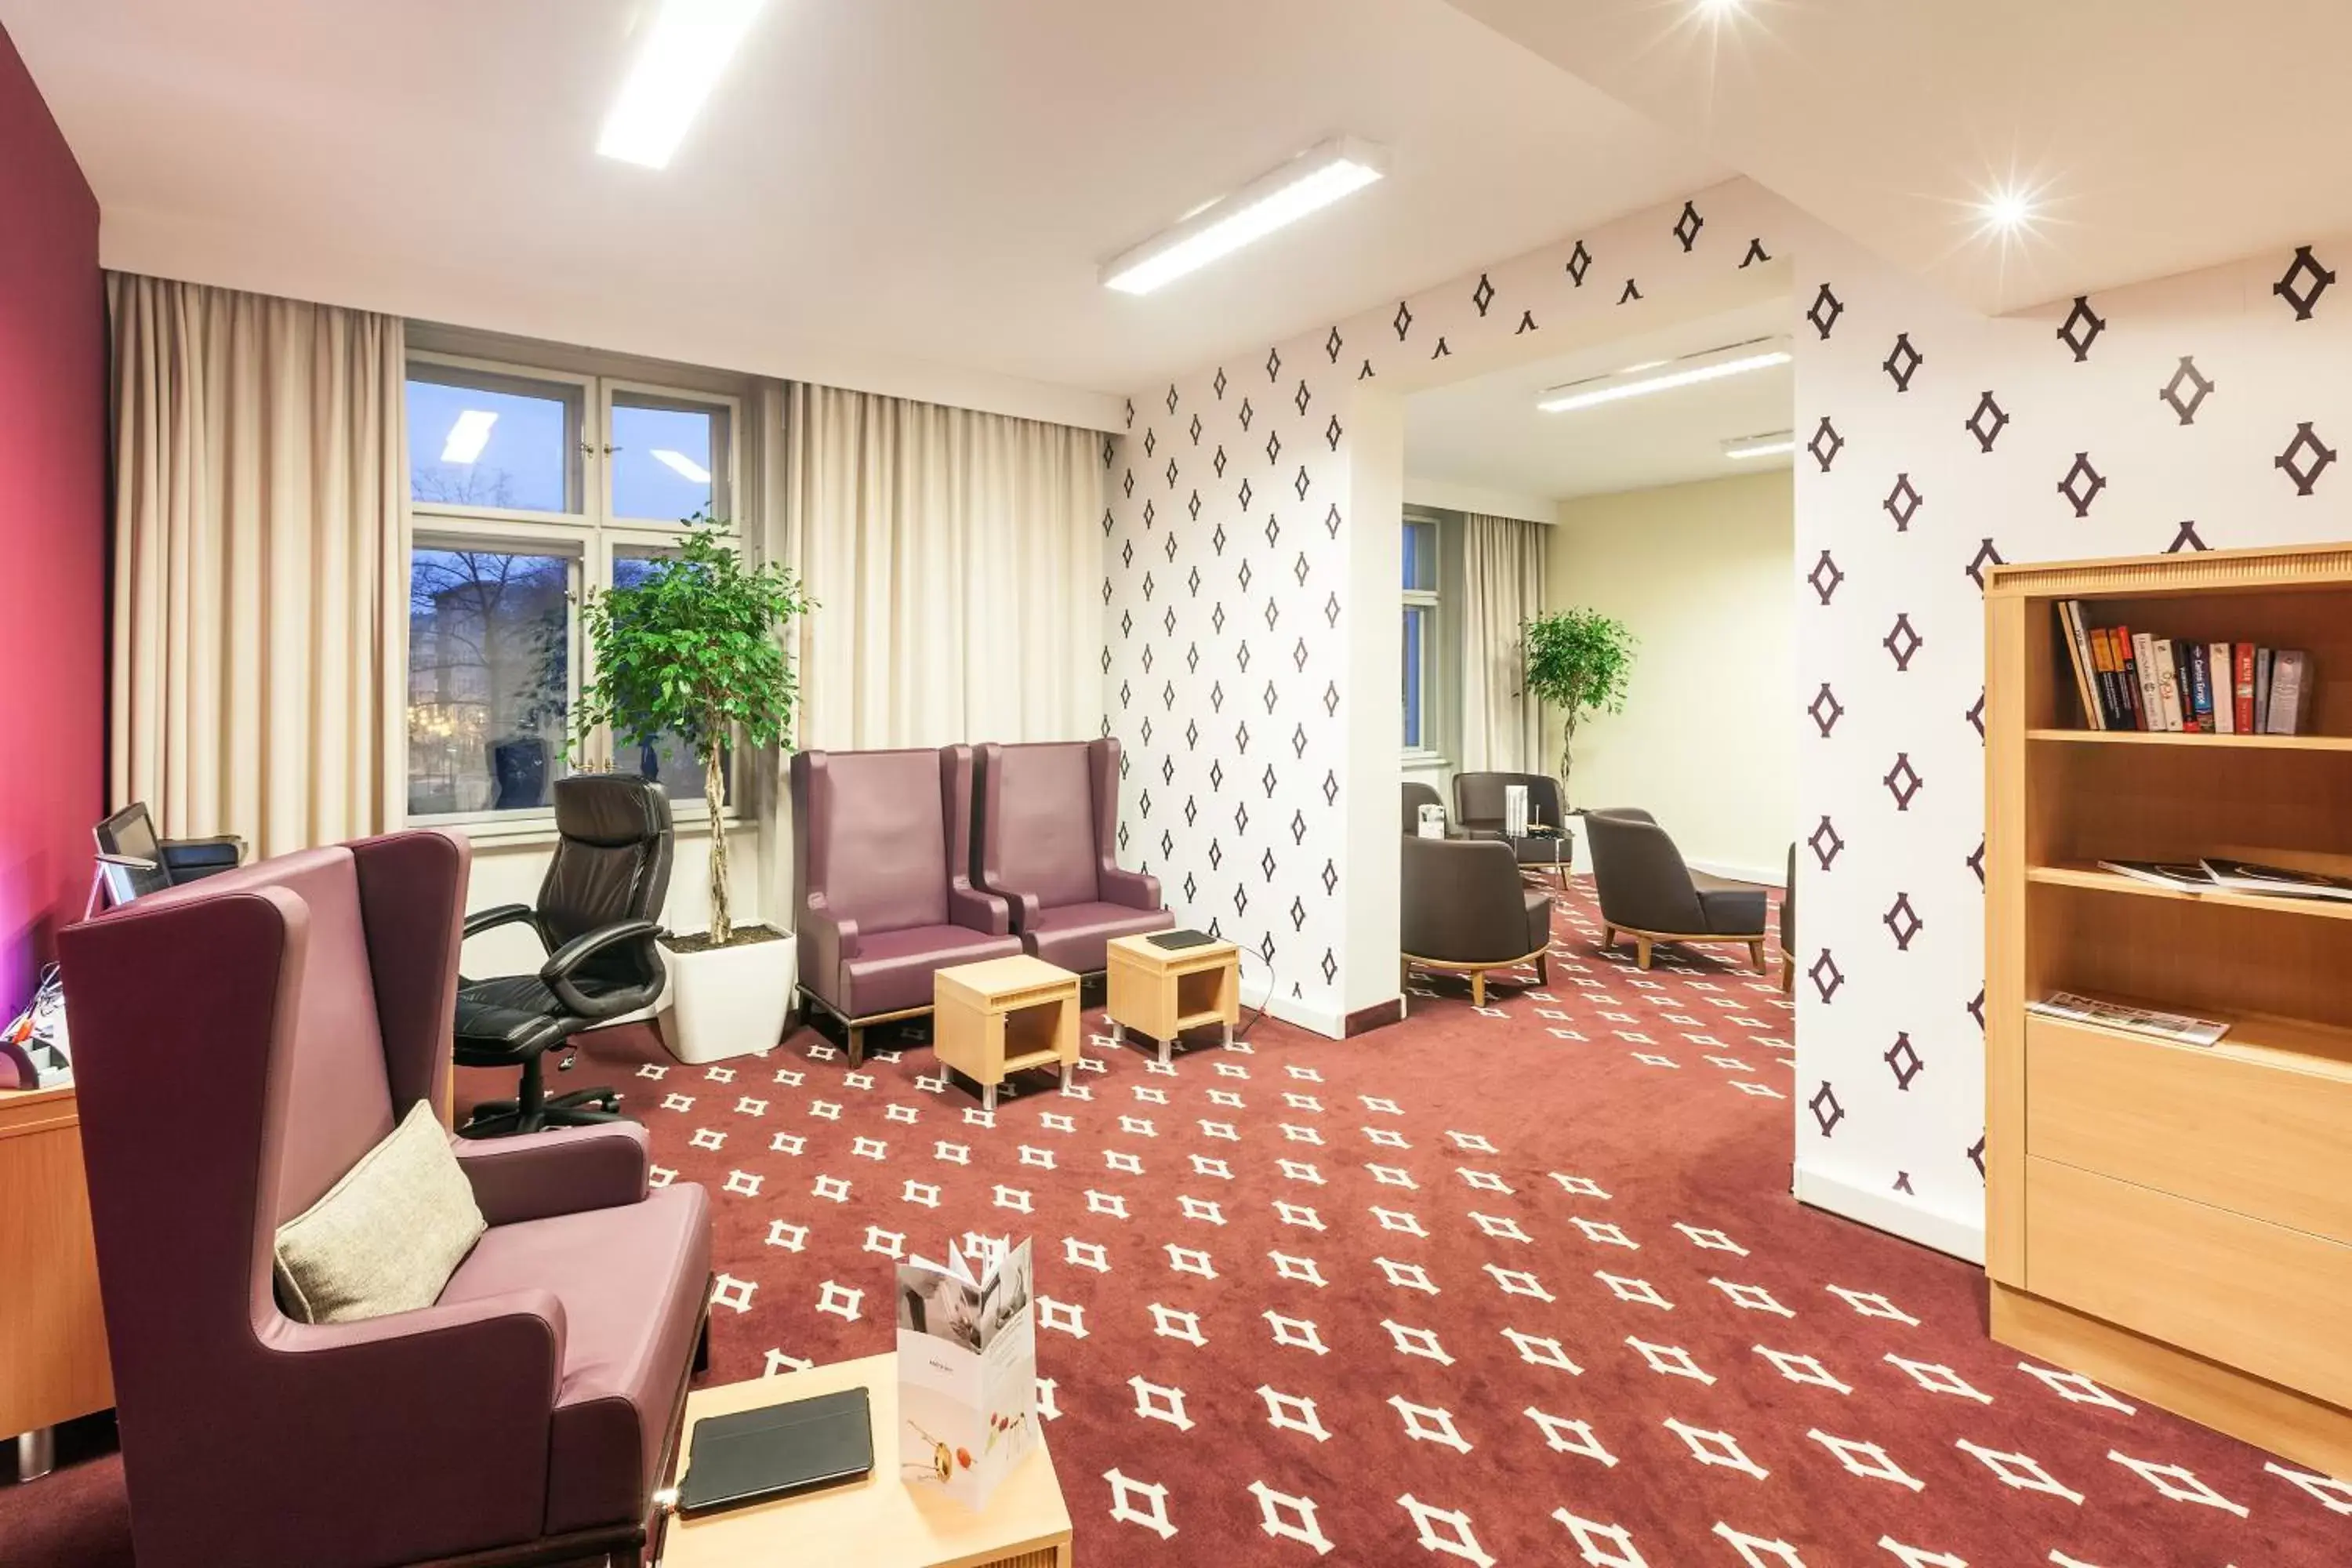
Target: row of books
x=2138, y=680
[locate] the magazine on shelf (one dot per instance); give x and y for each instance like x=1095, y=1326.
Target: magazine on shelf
x=2178, y=1028
x=967, y=1367
x=2252, y=877
x=2190, y=876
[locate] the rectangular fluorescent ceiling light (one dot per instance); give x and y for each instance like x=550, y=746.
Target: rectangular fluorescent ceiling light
x=679, y=62
x=469, y=436
x=1742, y=446
x=1641, y=381
x=1313, y=180
x=681, y=465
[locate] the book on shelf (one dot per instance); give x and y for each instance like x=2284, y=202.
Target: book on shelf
x=2221, y=666
x=2187, y=876
x=2151, y=698
x=2242, y=666
x=2178, y=1028
x=2200, y=687
x=2290, y=692
x=2078, y=653
x=2262, y=657
x=2253, y=876
x=2168, y=682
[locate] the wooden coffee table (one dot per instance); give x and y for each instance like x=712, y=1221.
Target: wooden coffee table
x=1162, y=992
x=1004, y=1017
x=880, y=1522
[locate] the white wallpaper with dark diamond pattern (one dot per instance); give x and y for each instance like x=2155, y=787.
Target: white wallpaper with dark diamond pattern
x=2195, y=412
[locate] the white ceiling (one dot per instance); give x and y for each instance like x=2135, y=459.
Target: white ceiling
x=879, y=189
x=2164, y=134
x=1487, y=434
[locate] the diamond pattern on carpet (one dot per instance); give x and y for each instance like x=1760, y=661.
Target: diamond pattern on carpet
x=1518, y=1284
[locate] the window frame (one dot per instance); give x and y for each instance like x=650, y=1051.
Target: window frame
x=1431, y=601
x=592, y=537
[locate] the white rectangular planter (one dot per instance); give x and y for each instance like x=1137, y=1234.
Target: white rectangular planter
x=728, y=1001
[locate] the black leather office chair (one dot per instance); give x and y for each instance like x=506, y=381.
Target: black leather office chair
x=598, y=917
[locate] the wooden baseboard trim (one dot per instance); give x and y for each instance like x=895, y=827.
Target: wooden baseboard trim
x=2307, y=1431
x=1379, y=1016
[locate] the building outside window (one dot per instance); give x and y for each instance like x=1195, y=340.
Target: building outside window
x=530, y=487
x=1423, y=669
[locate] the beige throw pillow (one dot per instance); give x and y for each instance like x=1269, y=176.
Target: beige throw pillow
x=387, y=1236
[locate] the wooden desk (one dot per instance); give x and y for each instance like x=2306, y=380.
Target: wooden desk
x=880, y=1522
x=1162, y=992
x=53, y=1364
x=1002, y=1016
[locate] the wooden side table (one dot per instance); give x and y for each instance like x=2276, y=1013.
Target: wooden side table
x=53, y=1359
x=1162, y=991
x=1004, y=1017
x=879, y=1522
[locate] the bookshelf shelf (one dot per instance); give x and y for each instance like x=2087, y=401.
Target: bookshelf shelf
x=2162, y=1217
x=2092, y=878
x=2209, y=743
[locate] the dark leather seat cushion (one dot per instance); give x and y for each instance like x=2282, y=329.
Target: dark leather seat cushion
x=1075, y=936
x=893, y=969
x=505, y=1019
x=1732, y=909
x=632, y=1281
x=1538, y=922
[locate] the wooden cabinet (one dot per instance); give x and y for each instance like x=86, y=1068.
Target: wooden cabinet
x=53, y=1362
x=2172, y=1220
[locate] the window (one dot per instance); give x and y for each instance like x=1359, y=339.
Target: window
x=1421, y=611
x=529, y=488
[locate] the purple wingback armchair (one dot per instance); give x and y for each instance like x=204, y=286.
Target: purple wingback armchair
x=1049, y=846
x=240, y=1043
x=881, y=856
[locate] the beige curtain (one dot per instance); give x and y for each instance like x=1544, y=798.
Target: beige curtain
x=955, y=556
x=261, y=556
x=1503, y=587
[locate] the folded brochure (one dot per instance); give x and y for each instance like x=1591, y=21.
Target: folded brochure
x=2177, y=1027
x=2232, y=877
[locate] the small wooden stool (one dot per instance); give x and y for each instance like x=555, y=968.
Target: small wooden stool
x=1003, y=1016
x=1162, y=992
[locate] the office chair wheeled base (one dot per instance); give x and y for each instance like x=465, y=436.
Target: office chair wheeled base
x=535, y=1110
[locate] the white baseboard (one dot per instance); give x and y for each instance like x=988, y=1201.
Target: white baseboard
x=1325, y=1021
x=1887, y=1212
x=1769, y=876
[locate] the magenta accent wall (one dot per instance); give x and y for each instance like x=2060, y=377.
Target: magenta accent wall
x=52, y=531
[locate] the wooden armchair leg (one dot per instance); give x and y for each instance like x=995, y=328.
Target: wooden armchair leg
x=1756, y=956
x=1608, y=936
x=1478, y=988
x=1543, y=968
x=1641, y=953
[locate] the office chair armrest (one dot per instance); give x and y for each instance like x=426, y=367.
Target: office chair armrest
x=558, y=970
x=190, y=858
x=566, y=1169
x=504, y=915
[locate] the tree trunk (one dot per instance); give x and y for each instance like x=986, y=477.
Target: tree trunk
x=714, y=790
x=1566, y=751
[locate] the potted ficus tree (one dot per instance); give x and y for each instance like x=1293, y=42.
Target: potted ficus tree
x=695, y=647
x=1577, y=661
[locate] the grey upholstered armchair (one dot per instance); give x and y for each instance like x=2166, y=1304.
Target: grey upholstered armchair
x=1789, y=928
x=1048, y=846
x=1417, y=795
x=881, y=848
x=1478, y=812
x=242, y=1042
x=1463, y=910
x=1648, y=893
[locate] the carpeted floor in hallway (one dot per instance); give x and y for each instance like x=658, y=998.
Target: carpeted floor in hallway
x=1518, y=1285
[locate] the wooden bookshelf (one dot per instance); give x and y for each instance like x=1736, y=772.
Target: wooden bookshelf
x=2172, y=1221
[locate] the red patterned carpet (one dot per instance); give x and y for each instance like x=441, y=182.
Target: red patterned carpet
x=1522, y=1286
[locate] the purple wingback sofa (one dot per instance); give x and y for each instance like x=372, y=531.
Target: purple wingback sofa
x=1048, y=847
x=882, y=884
x=240, y=1042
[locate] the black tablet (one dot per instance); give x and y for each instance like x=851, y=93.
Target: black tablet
x=780, y=1451
x=1173, y=940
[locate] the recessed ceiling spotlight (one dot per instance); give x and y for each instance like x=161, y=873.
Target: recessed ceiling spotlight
x=680, y=61
x=2008, y=210
x=1721, y=8
x=1313, y=180
x=1740, y=447
x=1641, y=381
x=468, y=433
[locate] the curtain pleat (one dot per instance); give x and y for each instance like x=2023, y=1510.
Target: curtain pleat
x=1503, y=589
x=260, y=550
